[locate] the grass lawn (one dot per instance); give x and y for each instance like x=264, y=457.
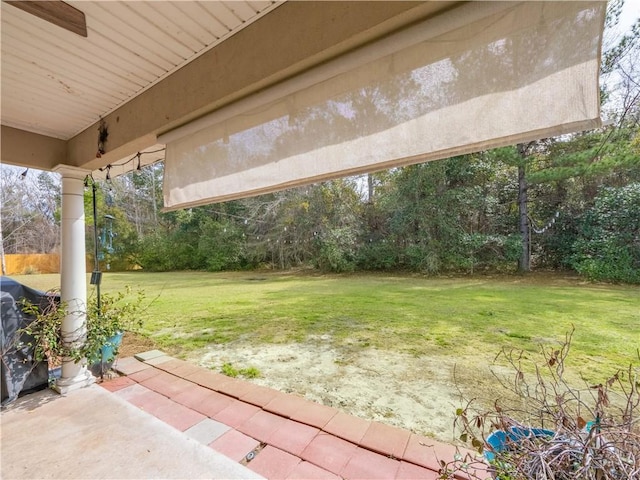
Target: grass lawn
x=469, y=319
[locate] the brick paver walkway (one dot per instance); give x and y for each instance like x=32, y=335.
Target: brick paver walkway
x=275, y=434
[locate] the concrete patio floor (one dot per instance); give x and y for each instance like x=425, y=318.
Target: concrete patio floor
x=166, y=418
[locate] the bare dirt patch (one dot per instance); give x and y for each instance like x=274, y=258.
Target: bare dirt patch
x=133, y=343
x=416, y=393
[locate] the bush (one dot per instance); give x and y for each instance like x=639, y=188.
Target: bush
x=490, y=251
x=377, y=255
x=157, y=253
x=608, y=246
x=557, y=245
x=220, y=246
x=423, y=258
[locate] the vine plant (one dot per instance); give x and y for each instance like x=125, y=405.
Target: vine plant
x=116, y=314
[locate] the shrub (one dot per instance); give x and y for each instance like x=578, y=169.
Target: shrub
x=608, y=246
x=220, y=246
x=377, y=255
x=556, y=431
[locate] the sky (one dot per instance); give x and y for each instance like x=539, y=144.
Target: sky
x=630, y=13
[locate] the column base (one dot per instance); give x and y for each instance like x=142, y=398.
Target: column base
x=66, y=385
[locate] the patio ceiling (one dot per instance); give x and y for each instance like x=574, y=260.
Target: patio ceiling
x=148, y=67
x=57, y=83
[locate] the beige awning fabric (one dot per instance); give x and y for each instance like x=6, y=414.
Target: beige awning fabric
x=482, y=75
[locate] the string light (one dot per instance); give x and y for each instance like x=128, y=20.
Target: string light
x=137, y=156
x=89, y=180
x=547, y=226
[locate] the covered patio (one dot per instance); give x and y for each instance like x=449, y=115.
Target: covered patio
x=166, y=418
x=246, y=97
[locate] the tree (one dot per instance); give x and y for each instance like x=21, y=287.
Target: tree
x=30, y=209
x=524, y=262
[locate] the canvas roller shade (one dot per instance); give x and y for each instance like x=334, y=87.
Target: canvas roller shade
x=481, y=75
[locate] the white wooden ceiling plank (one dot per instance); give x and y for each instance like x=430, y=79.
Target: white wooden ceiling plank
x=89, y=50
x=52, y=121
x=210, y=20
x=34, y=75
x=224, y=15
x=132, y=43
x=95, y=77
x=118, y=57
x=259, y=5
x=38, y=127
x=49, y=102
x=30, y=111
x=177, y=32
x=228, y=16
x=147, y=38
x=100, y=42
x=188, y=18
x=241, y=9
x=16, y=81
x=49, y=96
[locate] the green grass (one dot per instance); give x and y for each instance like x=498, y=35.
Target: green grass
x=231, y=371
x=467, y=318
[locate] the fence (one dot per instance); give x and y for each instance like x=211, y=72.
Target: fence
x=32, y=263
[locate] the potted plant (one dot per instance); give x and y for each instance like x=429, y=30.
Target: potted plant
x=107, y=320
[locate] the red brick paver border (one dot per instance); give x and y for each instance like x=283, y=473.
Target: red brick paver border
x=262, y=425
x=385, y=439
x=347, y=427
x=365, y=464
x=292, y=437
x=275, y=434
x=309, y=471
x=234, y=444
x=272, y=462
x=329, y=452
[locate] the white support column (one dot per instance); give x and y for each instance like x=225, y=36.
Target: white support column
x=73, y=276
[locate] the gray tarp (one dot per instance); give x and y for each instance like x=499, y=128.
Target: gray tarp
x=20, y=372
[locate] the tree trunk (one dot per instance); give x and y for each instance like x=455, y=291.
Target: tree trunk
x=524, y=263
x=153, y=195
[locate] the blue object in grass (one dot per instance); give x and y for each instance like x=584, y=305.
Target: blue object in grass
x=500, y=440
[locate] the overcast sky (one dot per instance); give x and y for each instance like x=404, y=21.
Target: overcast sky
x=630, y=13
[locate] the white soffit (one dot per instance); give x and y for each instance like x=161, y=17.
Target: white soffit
x=57, y=83
x=482, y=75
